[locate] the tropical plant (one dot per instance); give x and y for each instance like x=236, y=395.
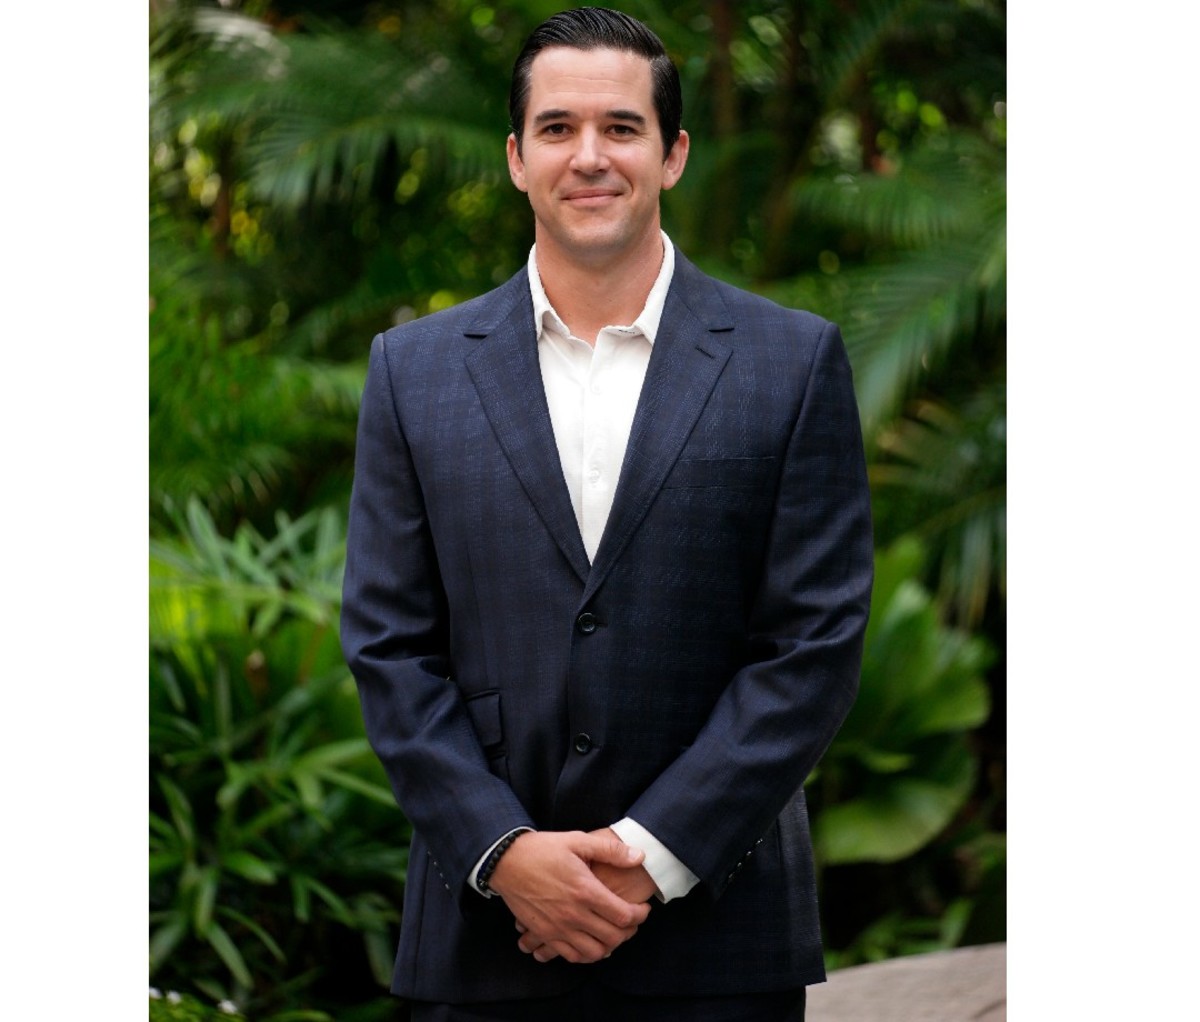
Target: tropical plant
x=273, y=838
x=901, y=771
x=900, y=768
x=924, y=321
x=177, y=1007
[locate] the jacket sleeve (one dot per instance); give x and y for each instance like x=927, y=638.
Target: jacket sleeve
x=394, y=630
x=779, y=712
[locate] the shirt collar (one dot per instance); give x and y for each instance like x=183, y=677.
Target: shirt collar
x=647, y=321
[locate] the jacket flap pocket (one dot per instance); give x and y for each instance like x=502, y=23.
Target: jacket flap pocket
x=484, y=710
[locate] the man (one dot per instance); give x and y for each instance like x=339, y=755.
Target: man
x=608, y=572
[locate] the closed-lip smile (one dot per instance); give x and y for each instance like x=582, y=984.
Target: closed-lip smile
x=591, y=193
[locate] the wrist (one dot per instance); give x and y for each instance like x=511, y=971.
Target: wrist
x=488, y=868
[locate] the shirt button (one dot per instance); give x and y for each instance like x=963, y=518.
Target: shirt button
x=583, y=743
x=594, y=475
x=586, y=622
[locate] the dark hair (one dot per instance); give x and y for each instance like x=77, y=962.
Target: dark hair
x=593, y=28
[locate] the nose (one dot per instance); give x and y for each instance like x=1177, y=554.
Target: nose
x=590, y=156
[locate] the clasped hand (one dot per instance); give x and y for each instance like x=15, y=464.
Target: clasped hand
x=574, y=895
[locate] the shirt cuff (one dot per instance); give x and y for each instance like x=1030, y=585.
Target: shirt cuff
x=473, y=879
x=672, y=878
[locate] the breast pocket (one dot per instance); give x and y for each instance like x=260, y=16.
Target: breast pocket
x=721, y=473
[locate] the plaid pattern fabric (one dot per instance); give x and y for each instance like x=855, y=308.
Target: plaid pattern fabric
x=690, y=678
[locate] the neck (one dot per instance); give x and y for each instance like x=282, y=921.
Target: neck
x=591, y=296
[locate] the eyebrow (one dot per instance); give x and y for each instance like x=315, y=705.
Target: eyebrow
x=617, y=115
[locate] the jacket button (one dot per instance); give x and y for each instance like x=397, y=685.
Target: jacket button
x=583, y=742
x=586, y=622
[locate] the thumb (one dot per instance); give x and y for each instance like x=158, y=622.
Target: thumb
x=610, y=849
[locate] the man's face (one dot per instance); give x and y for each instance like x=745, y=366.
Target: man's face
x=591, y=156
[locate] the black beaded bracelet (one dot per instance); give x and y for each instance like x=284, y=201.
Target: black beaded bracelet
x=493, y=860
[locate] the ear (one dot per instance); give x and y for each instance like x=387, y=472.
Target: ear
x=676, y=160
x=516, y=166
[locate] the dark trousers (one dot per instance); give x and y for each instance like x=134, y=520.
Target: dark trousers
x=591, y=1003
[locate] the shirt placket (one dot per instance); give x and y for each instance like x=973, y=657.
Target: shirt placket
x=596, y=487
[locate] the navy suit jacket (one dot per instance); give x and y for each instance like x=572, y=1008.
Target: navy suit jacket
x=689, y=678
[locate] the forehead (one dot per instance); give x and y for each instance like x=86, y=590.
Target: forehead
x=561, y=76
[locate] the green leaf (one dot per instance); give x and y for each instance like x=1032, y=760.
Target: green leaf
x=180, y=810
x=882, y=762
x=249, y=866
x=268, y=818
x=165, y=939
x=301, y=898
x=229, y=954
x=381, y=954
x=893, y=819
x=267, y=940
x=375, y=792
x=164, y=862
x=308, y=786
x=334, y=753
x=208, y=881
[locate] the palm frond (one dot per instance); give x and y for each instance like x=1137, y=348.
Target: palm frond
x=952, y=465
x=952, y=186
x=903, y=319
x=323, y=112
x=943, y=285
x=857, y=44
x=232, y=424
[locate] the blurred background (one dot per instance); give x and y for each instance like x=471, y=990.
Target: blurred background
x=322, y=170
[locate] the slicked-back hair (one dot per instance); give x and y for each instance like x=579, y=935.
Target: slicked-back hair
x=594, y=28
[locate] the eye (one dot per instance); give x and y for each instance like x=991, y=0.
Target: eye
x=555, y=129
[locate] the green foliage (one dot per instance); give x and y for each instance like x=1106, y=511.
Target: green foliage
x=274, y=842
x=899, y=933
x=176, y=1007
x=900, y=768
x=941, y=476
x=235, y=425
x=924, y=321
x=934, y=230
x=895, y=797
x=321, y=114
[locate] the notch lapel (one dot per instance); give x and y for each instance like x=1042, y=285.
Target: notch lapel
x=504, y=368
x=687, y=359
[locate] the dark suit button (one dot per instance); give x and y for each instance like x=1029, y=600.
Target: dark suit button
x=583, y=742
x=586, y=622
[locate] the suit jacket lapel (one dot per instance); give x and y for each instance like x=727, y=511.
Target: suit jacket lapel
x=687, y=359
x=507, y=375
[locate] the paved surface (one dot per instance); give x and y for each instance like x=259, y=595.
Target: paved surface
x=963, y=985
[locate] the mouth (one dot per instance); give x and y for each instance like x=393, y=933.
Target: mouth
x=591, y=196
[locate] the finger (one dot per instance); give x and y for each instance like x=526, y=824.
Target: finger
x=616, y=913
x=529, y=943
x=599, y=932
x=579, y=949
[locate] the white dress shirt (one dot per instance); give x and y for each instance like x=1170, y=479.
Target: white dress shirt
x=592, y=393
